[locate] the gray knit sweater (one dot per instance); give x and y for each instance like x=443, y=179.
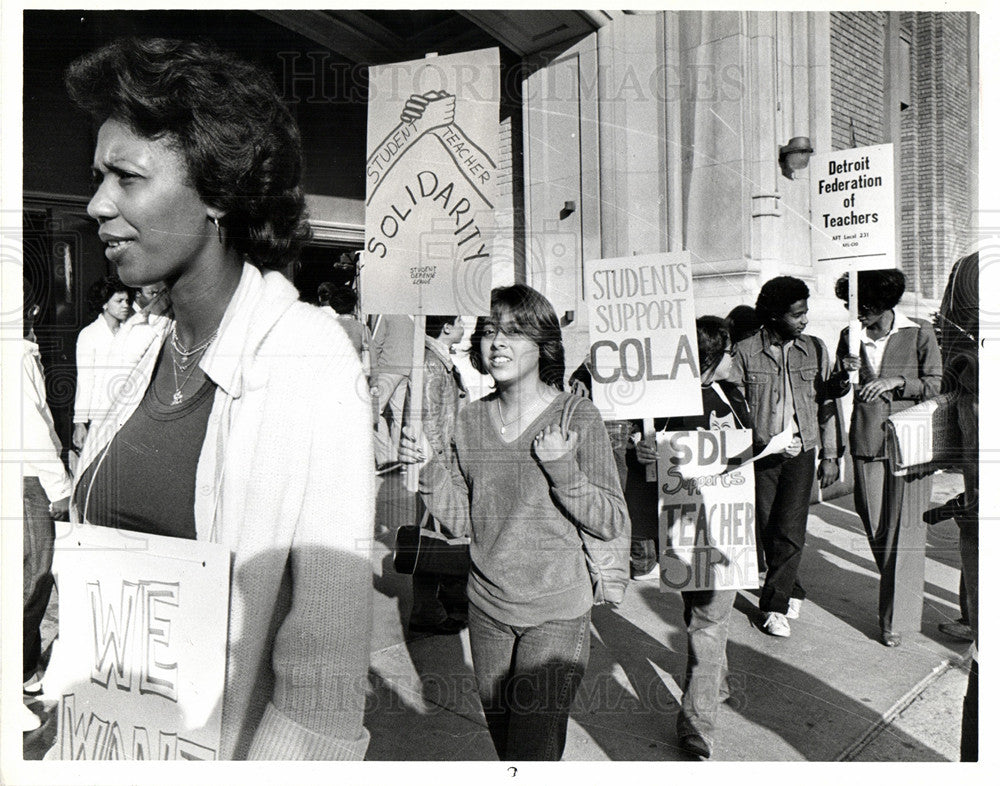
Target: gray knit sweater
x=524, y=515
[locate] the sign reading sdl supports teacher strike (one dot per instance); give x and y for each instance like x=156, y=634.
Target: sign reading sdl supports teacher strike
x=853, y=208
x=433, y=141
x=140, y=662
x=707, y=530
x=643, y=356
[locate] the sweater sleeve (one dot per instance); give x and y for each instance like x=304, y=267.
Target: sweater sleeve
x=39, y=437
x=445, y=492
x=321, y=650
x=585, y=483
x=86, y=359
x=927, y=383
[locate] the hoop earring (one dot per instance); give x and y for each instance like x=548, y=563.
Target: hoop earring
x=218, y=226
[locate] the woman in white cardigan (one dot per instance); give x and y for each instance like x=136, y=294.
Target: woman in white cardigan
x=244, y=423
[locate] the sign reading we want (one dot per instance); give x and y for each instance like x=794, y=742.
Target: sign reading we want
x=139, y=664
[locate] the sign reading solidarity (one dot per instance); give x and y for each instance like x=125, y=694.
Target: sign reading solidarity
x=707, y=530
x=433, y=140
x=140, y=662
x=853, y=207
x=643, y=356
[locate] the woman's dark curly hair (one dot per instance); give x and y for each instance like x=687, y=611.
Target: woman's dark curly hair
x=521, y=310
x=101, y=292
x=713, y=338
x=878, y=290
x=777, y=296
x=241, y=145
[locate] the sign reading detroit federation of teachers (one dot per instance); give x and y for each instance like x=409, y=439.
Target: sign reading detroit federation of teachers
x=853, y=208
x=643, y=353
x=139, y=666
x=433, y=140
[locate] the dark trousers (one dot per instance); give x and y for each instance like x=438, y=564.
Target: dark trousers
x=527, y=679
x=891, y=509
x=39, y=536
x=784, y=486
x=968, y=529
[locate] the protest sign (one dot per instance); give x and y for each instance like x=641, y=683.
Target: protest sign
x=139, y=665
x=707, y=517
x=853, y=209
x=643, y=355
x=433, y=142
x=853, y=205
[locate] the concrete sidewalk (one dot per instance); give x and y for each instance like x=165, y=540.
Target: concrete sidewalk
x=830, y=692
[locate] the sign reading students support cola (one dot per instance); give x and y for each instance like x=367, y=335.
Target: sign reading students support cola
x=433, y=140
x=643, y=355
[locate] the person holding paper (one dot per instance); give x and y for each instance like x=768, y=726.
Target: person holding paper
x=899, y=364
x=525, y=485
x=785, y=376
x=246, y=423
x=706, y=612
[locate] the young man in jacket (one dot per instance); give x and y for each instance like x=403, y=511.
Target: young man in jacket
x=440, y=605
x=784, y=375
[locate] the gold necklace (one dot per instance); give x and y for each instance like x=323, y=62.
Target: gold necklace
x=518, y=418
x=189, y=364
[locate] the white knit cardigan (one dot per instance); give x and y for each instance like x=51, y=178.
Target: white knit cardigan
x=285, y=480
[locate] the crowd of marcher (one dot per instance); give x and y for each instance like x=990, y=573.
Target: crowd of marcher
x=202, y=364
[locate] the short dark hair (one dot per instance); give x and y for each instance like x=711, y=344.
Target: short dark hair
x=777, y=296
x=343, y=299
x=433, y=325
x=519, y=309
x=241, y=146
x=878, y=290
x=743, y=322
x=323, y=292
x=101, y=291
x=713, y=337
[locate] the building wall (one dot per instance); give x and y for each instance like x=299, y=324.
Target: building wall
x=936, y=153
x=937, y=192
x=857, y=78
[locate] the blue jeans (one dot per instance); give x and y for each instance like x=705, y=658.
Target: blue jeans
x=528, y=678
x=706, y=615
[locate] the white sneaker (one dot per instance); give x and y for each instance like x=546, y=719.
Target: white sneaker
x=29, y=721
x=653, y=575
x=794, y=608
x=776, y=624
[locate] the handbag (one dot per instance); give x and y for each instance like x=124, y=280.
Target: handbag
x=607, y=560
x=423, y=549
x=924, y=437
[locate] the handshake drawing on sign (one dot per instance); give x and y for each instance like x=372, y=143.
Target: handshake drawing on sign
x=433, y=109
